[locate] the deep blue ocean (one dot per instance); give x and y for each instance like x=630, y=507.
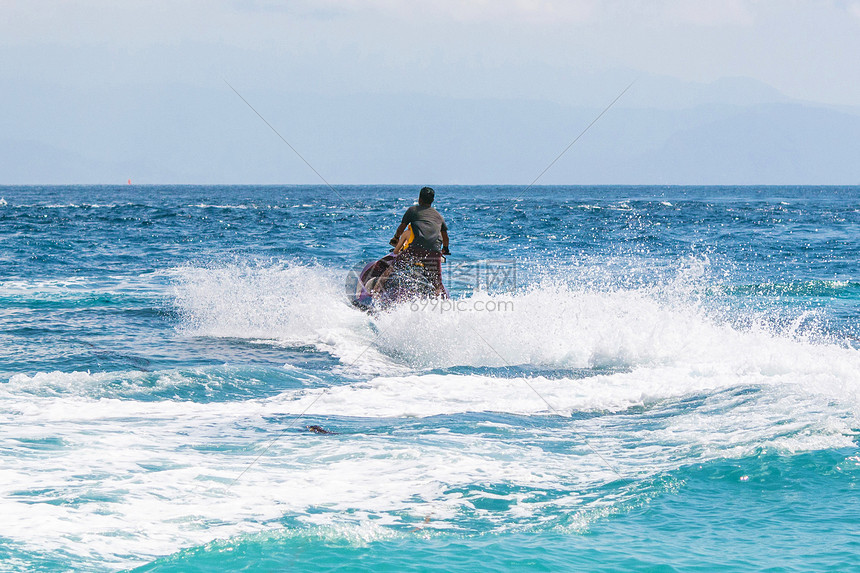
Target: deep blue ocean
x=626, y=378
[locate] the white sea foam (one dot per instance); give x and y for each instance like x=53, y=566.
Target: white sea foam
x=77, y=286
x=170, y=463
x=292, y=304
x=212, y=206
x=552, y=325
x=708, y=390
x=136, y=384
x=70, y=206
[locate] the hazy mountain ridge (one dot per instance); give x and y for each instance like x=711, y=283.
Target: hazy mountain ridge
x=700, y=134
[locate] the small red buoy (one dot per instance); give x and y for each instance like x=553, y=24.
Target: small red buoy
x=129, y=181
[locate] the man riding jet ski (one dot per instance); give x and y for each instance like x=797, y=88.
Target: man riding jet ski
x=414, y=267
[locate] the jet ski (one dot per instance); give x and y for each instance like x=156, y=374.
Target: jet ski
x=393, y=279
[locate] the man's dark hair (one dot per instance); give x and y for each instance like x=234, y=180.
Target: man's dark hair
x=426, y=196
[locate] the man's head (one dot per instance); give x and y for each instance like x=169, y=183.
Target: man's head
x=426, y=196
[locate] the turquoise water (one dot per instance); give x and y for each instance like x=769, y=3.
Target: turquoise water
x=632, y=378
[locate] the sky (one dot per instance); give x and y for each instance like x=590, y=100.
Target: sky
x=456, y=91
